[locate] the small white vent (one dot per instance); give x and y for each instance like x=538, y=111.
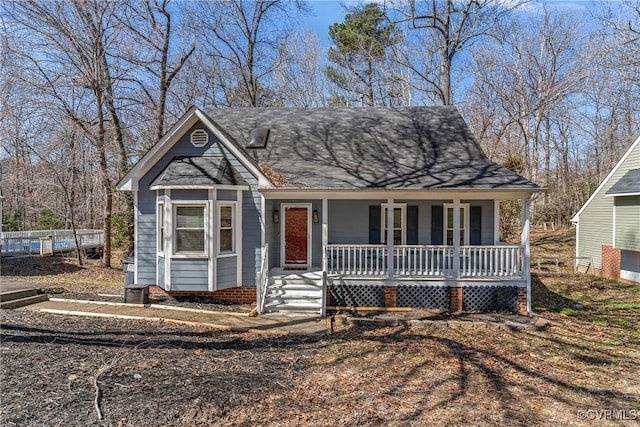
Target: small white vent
x=199, y=138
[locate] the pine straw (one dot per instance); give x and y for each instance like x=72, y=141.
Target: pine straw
x=278, y=179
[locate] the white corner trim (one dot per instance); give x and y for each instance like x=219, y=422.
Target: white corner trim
x=237, y=235
x=212, y=263
x=575, y=219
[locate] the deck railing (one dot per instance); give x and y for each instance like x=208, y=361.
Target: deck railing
x=426, y=261
x=47, y=241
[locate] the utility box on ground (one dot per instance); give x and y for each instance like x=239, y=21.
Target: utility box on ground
x=136, y=294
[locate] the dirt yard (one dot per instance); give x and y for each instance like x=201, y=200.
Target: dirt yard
x=583, y=370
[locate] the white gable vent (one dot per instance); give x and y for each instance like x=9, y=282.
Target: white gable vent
x=199, y=138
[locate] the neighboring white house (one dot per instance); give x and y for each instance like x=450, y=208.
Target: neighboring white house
x=608, y=225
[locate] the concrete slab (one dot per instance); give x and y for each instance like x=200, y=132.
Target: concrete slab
x=280, y=325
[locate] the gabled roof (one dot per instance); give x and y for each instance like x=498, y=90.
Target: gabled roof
x=204, y=171
x=604, y=182
x=628, y=185
x=130, y=181
x=369, y=148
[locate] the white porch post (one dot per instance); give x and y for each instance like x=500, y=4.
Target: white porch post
x=325, y=232
x=524, y=240
x=390, y=257
x=456, y=238
x=496, y=222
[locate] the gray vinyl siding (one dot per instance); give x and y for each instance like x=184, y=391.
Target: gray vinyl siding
x=146, y=238
x=189, y=195
x=251, y=235
x=628, y=223
x=349, y=220
x=226, y=195
x=147, y=265
x=226, y=272
x=189, y=275
x=595, y=224
x=349, y=223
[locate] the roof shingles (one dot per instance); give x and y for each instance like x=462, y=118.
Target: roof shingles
x=351, y=148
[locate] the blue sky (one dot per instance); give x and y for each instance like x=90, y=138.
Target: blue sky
x=327, y=12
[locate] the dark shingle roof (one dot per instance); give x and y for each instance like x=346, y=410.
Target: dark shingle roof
x=203, y=171
x=407, y=147
x=628, y=184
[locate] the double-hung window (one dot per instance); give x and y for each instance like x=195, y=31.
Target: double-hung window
x=399, y=224
x=190, y=229
x=226, y=228
x=464, y=224
x=160, y=235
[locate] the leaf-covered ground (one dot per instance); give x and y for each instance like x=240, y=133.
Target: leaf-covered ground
x=583, y=370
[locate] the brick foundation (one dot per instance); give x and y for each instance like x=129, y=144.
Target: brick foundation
x=611, y=262
x=237, y=295
x=390, y=296
x=456, y=299
x=522, y=301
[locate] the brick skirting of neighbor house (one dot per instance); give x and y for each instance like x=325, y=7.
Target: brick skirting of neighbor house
x=611, y=262
x=236, y=295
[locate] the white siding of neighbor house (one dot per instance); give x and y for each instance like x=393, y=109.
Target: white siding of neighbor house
x=628, y=222
x=189, y=274
x=595, y=226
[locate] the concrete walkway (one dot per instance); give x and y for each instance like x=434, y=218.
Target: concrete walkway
x=239, y=322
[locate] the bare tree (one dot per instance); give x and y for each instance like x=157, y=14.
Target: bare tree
x=446, y=28
x=244, y=39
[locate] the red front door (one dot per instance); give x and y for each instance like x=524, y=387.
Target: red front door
x=296, y=234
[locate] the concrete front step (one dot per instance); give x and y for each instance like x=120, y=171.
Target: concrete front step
x=21, y=302
x=21, y=293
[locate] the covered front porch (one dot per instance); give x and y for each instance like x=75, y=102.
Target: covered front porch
x=435, y=246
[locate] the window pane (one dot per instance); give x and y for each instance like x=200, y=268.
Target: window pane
x=190, y=240
x=449, y=237
x=385, y=218
x=449, y=218
x=226, y=240
x=226, y=216
x=397, y=218
x=461, y=217
x=190, y=217
x=397, y=237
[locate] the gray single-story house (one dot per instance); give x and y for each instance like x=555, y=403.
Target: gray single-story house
x=608, y=225
x=304, y=209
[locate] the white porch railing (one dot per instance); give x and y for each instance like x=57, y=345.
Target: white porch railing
x=492, y=261
x=262, y=280
x=505, y=261
x=357, y=260
x=423, y=260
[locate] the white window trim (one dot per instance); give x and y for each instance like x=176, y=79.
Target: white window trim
x=403, y=228
x=234, y=228
x=160, y=224
x=467, y=213
x=207, y=231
